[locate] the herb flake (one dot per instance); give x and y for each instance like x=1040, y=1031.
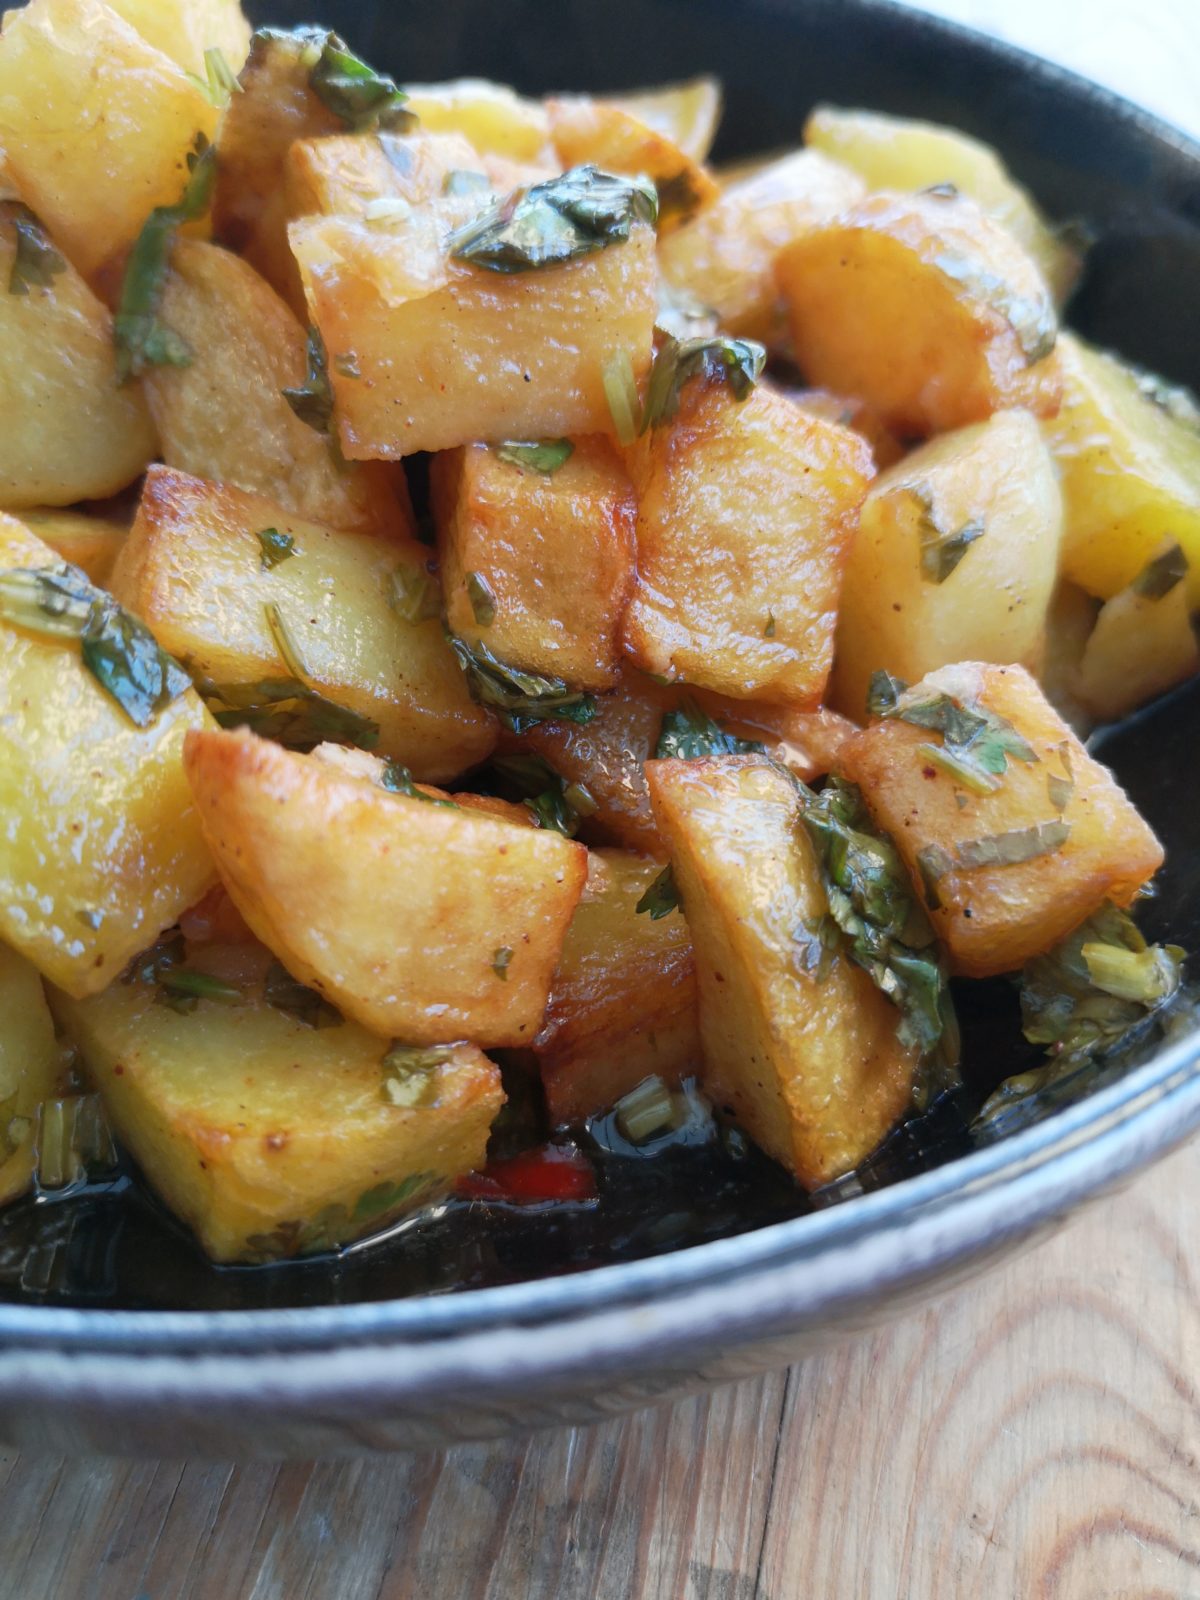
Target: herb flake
x=688, y=733
x=397, y=779
x=977, y=742
x=295, y=999
x=219, y=82
x=661, y=897
x=718, y=359
x=312, y=401
x=519, y=698
x=415, y=594
x=560, y=220
x=275, y=547
x=538, y=455
x=500, y=962
x=360, y=97
x=1013, y=847
x=554, y=802
x=36, y=263
x=411, y=1073
x=1159, y=576
x=482, y=598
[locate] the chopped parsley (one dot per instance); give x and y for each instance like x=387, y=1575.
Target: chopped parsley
x=977, y=743
x=411, y=1073
x=662, y=897
x=519, y=698
x=621, y=392
x=482, y=597
x=540, y=455
x=689, y=733
x=415, y=594
x=547, y=224
x=36, y=263
x=276, y=547
x=500, y=961
x=219, y=82
x=292, y=997
x=397, y=779
x=365, y=100
x=941, y=548
x=554, y=802
x=736, y=362
x=312, y=401
x=1159, y=576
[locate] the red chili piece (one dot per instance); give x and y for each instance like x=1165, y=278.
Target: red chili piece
x=551, y=1172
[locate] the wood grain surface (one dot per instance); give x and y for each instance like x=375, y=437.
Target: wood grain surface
x=1036, y=1434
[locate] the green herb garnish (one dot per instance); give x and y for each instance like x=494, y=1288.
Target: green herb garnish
x=397, y=779
x=555, y=803
x=678, y=195
x=500, y=961
x=482, y=597
x=415, y=594
x=1159, y=576
x=219, y=82
x=287, y=994
x=142, y=340
x=365, y=100
x=73, y=1141
x=411, y=1073
x=769, y=626
x=549, y=223
x=736, y=362
x=312, y=401
x=521, y=699
x=941, y=548
x=120, y=652
x=276, y=547
x=36, y=263
x=1032, y=319
x=662, y=897
x=540, y=455
x=1012, y=847
x=621, y=392
x=182, y=990
x=977, y=743
x=689, y=733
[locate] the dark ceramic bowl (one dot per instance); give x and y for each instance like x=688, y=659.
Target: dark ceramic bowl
x=324, y=1375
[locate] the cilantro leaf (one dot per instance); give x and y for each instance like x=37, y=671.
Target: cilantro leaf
x=737, y=362
x=540, y=455
x=559, y=220
x=295, y=999
x=555, y=803
x=662, y=897
x=519, y=698
x=977, y=742
x=365, y=100
x=312, y=401
x=689, y=733
x=1159, y=576
x=276, y=547
x=36, y=263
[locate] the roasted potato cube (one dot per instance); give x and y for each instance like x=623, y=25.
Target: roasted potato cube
x=494, y=119
x=903, y=153
x=623, y=1002
x=1130, y=472
x=955, y=556
x=617, y=140
x=67, y=431
x=101, y=847
x=810, y=1064
x=446, y=353
x=745, y=513
x=424, y=921
x=362, y=612
x=1142, y=644
x=926, y=308
x=90, y=542
x=30, y=1067
x=725, y=257
x=535, y=564
x=224, y=416
x=351, y=174
x=268, y=1136
x=185, y=29
x=686, y=113
x=96, y=124
x=850, y=412
x=806, y=742
x=1009, y=862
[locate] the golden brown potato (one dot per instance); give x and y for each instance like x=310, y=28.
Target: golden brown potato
x=67, y=431
x=101, y=847
x=494, y=119
x=1143, y=643
x=617, y=140
x=1130, y=472
x=427, y=352
x=358, y=174
x=268, y=1135
x=924, y=307
x=537, y=565
x=30, y=1067
x=224, y=416
x=849, y=412
x=806, y=742
x=196, y=570
x=1069, y=624
x=725, y=257
x=96, y=124
x=429, y=922
x=745, y=512
x=902, y=153
x=1009, y=862
x=361, y=764
x=185, y=29
x=809, y=1063
x=623, y=1002
x=686, y=113
x=955, y=556
x=87, y=541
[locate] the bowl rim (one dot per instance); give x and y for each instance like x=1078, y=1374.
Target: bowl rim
x=1160, y=1099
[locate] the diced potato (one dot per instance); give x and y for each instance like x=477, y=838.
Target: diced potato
x=686, y=113
x=267, y=1136
x=1142, y=644
x=849, y=412
x=427, y=923
x=1130, y=473
x=955, y=556
x=347, y=174
x=745, y=512
x=810, y=1065
x=86, y=541
x=194, y=569
x=538, y=566
x=1035, y=885
x=96, y=124
x=926, y=308
x=616, y=140
x=1069, y=624
x=807, y=742
x=903, y=153
x=490, y=115
x=361, y=764
x=446, y=353
x=101, y=847
x=185, y=29
x=30, y=1065
x=66, y=430
x=623, y=1002
x=224, y=415
x=725, y=256
x=606, y=755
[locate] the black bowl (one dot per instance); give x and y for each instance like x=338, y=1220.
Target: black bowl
x=319, y=1358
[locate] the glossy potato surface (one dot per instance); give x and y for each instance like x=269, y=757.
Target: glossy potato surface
x=1141, y=646
x=30, y=1067
x=185, y=29
x=90, y=542
x=616, y=140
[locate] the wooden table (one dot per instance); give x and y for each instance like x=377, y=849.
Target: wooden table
x=1034, y=1435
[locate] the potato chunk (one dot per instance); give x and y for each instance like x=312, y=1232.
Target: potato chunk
x=87, y=541
x=185, y=29
x=956, y=555
x=925, y=308
x=537, y=565
x=445, y=353
x=1143, y=643
x=1006, y=872
x=196, y=568
x=617, y=140
x=745, y=512
x=904, y=153
x=686, y=113
x=267, y=1136
x=1130, y=472
x=623, y=1001
x=349, y=174
x=67, y=432
x=421, y=921
x=809, y=1064
x=725, y=257
x=101, y=847
x=494, y=119
x=224, y=416
x=30, y=1067
x=96, y=124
